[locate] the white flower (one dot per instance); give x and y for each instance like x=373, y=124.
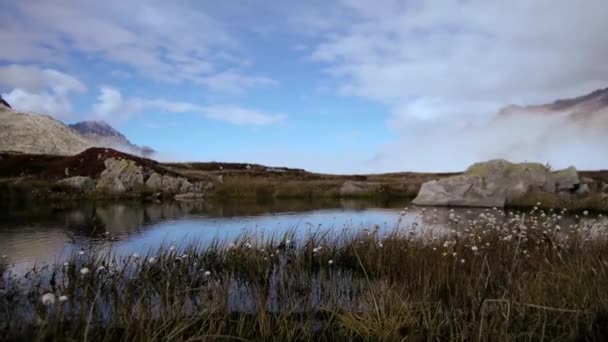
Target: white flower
x=207, y=273
x=185, y=256
x=152, y=260
x=585, y=213
x=287, y=241
x=171, y=248
x=462, y=261
x=66, y=264
x=81, y=252
x=84, y=271
x=454, y=254
x=446, y=244
x=331, y=262
x=48, y=299
x=380, y=245
x=63, y=298
x=100, y=269
x=135, y=256
x=231, y=245
x=474, y=248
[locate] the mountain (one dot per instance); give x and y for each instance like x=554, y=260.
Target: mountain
x=589, y=107
x=101, y=134
x=37, y=134
x=30, y=133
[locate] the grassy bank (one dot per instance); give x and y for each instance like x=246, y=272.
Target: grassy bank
x=522, y=277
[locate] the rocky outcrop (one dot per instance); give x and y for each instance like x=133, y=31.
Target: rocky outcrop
x=79, y=183
x=498, y=182
x=120, y=175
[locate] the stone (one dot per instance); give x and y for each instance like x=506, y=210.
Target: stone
x=351, y=188
x=120, y=175
x=462, y=190
x=495, y=183
x=80, y=183
x=583, y=189
x=566, y=180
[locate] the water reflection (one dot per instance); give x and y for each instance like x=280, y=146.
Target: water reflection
x=40, y=234
x=45, y=233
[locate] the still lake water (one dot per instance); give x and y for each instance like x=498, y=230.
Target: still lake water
x=49, y=233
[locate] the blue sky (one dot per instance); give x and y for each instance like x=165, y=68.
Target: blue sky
x=340, y=86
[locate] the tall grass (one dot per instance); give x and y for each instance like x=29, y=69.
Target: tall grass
x=498, y=276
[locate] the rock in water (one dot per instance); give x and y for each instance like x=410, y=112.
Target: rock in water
x=495, y=183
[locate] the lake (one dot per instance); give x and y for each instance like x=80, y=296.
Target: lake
x=35, y=234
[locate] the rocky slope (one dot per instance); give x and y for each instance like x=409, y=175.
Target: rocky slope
x=101, y=134
x=41, y=134
x=37, y=134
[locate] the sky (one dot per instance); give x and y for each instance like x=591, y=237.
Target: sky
x=341, y=86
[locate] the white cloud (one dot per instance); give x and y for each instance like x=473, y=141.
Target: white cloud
x=34, y=89
x=111, y=105
x=441, y=66
x=160, y=40
x=109, y=102
x=42, y=103
x=232, y=82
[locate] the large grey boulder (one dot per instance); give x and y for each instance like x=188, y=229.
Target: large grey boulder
x=120, y=175
x=495, y=183
x=79, y=183
x=463, y=190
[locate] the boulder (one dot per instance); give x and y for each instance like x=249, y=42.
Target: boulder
x=351, y=188
x=495, y=183
x=79, y=183
x=463, y=190
x=583, y=189
x=120, y=175
x=566, y=180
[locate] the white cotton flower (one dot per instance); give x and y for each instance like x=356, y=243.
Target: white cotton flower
x=63, y=298
x=48, y=299
x=207, y=273
x=100, y=268
x=84, y=271
x=474, y=248
x=462, y=261
x=185, y=256
x=331, y=262
x=66, y=264
x=585, y=212
x=135, y=256
x=380, y=245
x=152, y=260
x=171, y=248
x=81, y=252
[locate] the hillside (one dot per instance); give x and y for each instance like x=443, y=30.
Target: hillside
x=37, y=134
